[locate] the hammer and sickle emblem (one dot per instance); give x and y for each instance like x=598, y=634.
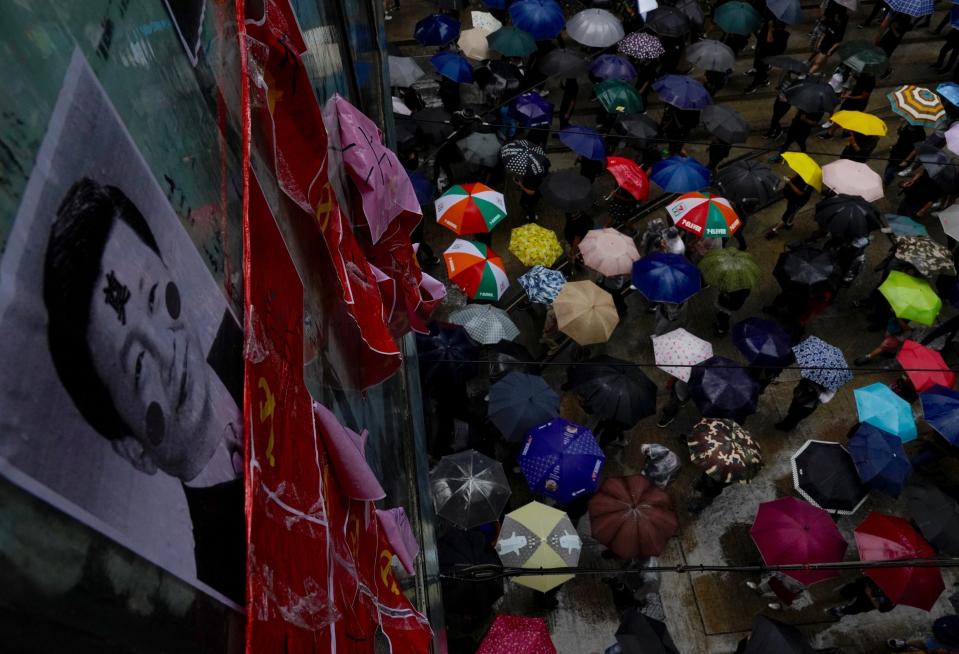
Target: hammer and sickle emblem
x=386, y=571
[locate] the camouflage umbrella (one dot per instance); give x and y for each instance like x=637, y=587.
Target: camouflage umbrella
x=925, y=255
x=724, y=450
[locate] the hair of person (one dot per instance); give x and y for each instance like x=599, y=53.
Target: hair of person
x=73, y=264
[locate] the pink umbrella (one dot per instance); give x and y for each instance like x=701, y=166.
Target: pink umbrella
x=400, y=536
x=516, y=634
x=347, y=452
x=609, y=252
x=853, y=178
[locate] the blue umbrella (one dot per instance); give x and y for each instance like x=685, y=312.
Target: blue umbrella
x=881, y=462
x=822, y=363
x=680, y=174
x=721, y=388
x=495, y=4
x=436, y=29
x=519, y=402
x=543, y=19
x=561, y=460
x=585, y=141
x=903, y=226
x=916, y=8
x=666, y=277
x=763, y=342
x=611, y=66
x=542, y=284
x=940, y=408
x=880, y=407
x=453, y=66
x=949, y=91
x=682, y=92
x=531, y=109
x=446, y=355
x=424, y=189
x=788, y=11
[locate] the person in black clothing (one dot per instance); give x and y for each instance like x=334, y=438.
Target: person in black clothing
x=828, y=42
x=862, y=595
x=645, y=74
x=709, y=489
x=781, y=107
x=855, y=99
x=878, y=7
x=799, y=130
x=909, y=137
x=797, y=193
x=773, y=41
x=529, y=196
x=859, y=147
x=893, y=30
x=673, y=130
x=715, y=80
x=735, y=41
x=726, y=304
x=589, y=168
x=575, y=230
x=951, y=45
x=804, y=403
x=449, y=93
x=538, y=134
x=919, y=193
x=718, y=150
x=567, y=103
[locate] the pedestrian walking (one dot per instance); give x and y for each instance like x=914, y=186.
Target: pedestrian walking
x=773, y=41
x=807, y=396
x=909, y=136
x=827, y=42
x=529, y=196
x=727, y=303
x=799, y=130
x=797, y=193
x=862, y=596
x=893, y=30
x=919, y=193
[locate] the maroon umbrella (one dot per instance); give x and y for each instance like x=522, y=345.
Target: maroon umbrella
x=790, y=531
x=632, y=516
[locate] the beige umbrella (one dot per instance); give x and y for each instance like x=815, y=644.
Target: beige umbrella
x=609, y=252
x=473, y=43
x=585, y=313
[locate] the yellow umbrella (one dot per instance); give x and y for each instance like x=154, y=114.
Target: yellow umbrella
x=535, y=245
x=804, y=166
x=539, y=536
x=585, y=313
x=860, y=122
x=473, y=43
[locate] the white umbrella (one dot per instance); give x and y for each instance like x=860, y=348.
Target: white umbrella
x=949, y=218
x=473, y=43
x=677, y=350
x=485, y=323
x=853, y=178
x=609, y=252
x=400, y=108
x=404, y=71
x=596, y=28
x=952, y=139
x=485, y=21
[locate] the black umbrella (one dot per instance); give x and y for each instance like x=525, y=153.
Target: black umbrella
x=567, y=190
x=782, y=62
x=497, y=77
x=804, y=267
x=524, y=158
x=637, y=127
x=562, y=63
x=812, y=96
x=434, y=124
x=446, y=355
x=638, y=634
x=721, y=388
x=748, y=180
x=614, y=389
x=825, y=475
x=406, y=130
x=725, y=123
x=692, y=11
x=937, y=516
x=508, y=356
x=847, y=216
x=467, y=601
x=774, y=637
x=667, y=21
x=938, y=165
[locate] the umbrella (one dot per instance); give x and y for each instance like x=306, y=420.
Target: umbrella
x=567, y=190
x=853, y=178
x=747, y=180
x=543, y=19
x=632, y=517
x=949, y=91
x=563, y=63
x=481, y=149
x=676, y=352
x=470, y=208
x=485, y=323
x=691, y=9
x=788, y=64
x=883, y=537
x=812, y=96
x=880, y=407
x=585, y=313
x=485, y=21
x=497, y=77
x=952, y=140
x=721, y=388
x=460, y=548
x=523, y=158
x=404, y=71
x=737, y=17
x=446, y=355
x=864, y=57
x=925, y=255
x=729, y=269
x=851, y=5
x=531, y=109
x=682, y=91
x=804, y=268
x=469, y=488
x=608, y=251
x=860, y=122
x=680, y=174
x=940, y=408
x=618, y=97
x=515, y=634
x=847, y=216
x=915, y=8
x=512, y=42
x=918, y=105
x=641, y=46
x=667, y=21
x=666, y=277
x=704, y=214
x=804, y=166
x=769, y=635
x=611, y=66
x=822, y=363
x=476, y=269
x=638, y=128
x=937, y=516
x=399, y=107
x=905, y=226
x=881, y=462
x=788, y=11
x=595, y=28
x=762, y=342
x=613, y=389
x=561, y=460
x=724, y=450
x=640, y=634
x=424, y=189
x=452, y=66
x=473, y=44
x=925, y=367
x=789, y=531
x=534, y=245
x=711, y=55
x=505, y=357
x=630, y=176
x=911, y=298
x=437, y=29
x=584, y=141
x=725, y=123
x=434, y=123
x=538, y=536
x=825, y=475
x=542, y=284
x=519, y=403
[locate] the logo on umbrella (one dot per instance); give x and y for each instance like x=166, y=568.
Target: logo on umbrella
x=512, y=545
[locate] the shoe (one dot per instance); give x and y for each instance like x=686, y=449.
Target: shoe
x=665, y=419
x=752, y=585
x=896, y=644
x=834, y=612
x=771, y=233
x=905, y=173
x=827, y=124
x=750, y=71
x=782, y=426
x=863, y=360
x=824, y=135
x=751, y=90
x=775, y=606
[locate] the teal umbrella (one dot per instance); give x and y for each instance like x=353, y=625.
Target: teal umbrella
x=618, y=97
x=512, y=42
x=880, y=407
x=737, y=18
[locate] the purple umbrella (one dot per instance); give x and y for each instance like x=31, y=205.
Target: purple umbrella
x=584, y=141
x=543, y=19
x=561, y=460
x=531, y=109
x=682, y=91
x=721, y=388
x=612, y=67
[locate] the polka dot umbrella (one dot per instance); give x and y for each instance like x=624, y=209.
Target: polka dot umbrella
x=641, y=46
x=524, y=158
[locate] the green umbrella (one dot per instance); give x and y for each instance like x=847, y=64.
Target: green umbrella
x=911, y=298
x=510, y=41
x=737, y=18
x=864, y=57
x=618, y=97
x=729, y=270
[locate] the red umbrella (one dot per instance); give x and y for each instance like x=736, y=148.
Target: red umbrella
x=925, y=367
x=789, y=531
x=630, y=176
x=516, y=634
x=883, y=537
x=632, y=516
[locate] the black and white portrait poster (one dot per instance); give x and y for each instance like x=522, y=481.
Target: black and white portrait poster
x=122, y=360
x=187, y=17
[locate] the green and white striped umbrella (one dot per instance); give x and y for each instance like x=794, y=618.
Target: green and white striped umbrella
x=485, y=323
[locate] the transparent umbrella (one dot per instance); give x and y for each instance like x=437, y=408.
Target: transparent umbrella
x=469, y=488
